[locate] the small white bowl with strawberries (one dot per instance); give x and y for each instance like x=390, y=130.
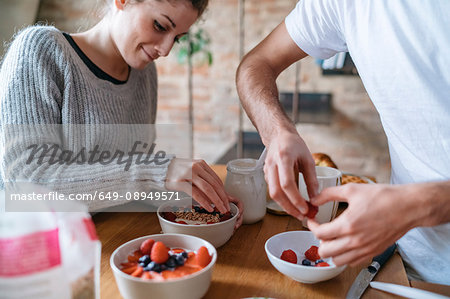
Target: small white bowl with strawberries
x=164, y=266
x=295, y=254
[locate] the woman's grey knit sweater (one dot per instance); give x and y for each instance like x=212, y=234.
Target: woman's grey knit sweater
x=44, y=84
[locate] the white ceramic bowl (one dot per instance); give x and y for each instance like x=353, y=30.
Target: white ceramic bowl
x=191, y=286
x=299, y=242
x=217, y=233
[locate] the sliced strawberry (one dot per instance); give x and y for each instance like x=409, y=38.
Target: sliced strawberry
x=160, y=253
x=225, y=217
x=312, y=210
x=312, y=253
x=146, y=246
x=322, y=264
x=289, y=256
x=181, y=222
x=203, y=258
x=169, y=216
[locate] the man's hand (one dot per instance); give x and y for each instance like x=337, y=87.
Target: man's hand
x=197, y=179
x=288, y=155
x=376, y=217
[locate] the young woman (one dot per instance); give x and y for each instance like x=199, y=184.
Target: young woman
x=105, y=75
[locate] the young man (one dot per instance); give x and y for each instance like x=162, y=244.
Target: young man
x=400, y=49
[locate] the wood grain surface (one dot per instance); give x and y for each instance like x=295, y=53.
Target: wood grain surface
x=242, y=268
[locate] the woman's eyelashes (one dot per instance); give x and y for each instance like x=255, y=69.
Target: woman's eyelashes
x=159, y=27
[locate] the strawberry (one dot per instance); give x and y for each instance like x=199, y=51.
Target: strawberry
x=312, y=253
x=289, y=256
x=225, y=217
x=160, y=253
x=130, y=270
x=181, y=222
x=138, y=272
x=312, y=210
x=203, y=258
x=146, y=246
x=169, y=216
x=322, y=264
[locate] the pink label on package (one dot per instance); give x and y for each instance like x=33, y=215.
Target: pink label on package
x=29, y=254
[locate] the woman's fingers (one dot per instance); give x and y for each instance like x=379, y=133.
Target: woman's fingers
x=209, y=192
x=217, y=191
x=200, y=197
x=240, y=206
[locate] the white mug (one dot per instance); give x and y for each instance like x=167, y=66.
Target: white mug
x=326, y=177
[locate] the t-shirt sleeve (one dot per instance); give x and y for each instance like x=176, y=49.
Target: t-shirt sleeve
x=316, y=27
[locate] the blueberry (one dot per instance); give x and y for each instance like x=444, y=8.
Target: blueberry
x=144, y=260
x=196, y=208
x=143, y=265
x=180, y=259
x=171, y=262
x=184, y=254
x=319, y=261
x=162, y=267
x=153, y=267
x=306, y=262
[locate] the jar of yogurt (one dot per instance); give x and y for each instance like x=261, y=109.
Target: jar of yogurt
x=245, y=181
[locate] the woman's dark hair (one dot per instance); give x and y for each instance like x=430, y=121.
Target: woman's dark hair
x=199, y=5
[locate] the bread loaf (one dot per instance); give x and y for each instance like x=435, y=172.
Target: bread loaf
x=322, y=159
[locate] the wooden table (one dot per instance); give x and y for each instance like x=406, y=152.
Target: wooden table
x=242, y=268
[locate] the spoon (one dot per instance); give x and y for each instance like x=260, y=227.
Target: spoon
x=261, y=159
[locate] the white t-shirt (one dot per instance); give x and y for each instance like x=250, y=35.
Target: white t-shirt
x=401, y=51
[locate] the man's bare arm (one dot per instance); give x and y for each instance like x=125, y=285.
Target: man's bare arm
x=256, y=81
x=287, y=153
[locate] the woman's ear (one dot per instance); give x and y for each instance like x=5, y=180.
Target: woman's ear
x=120, y=4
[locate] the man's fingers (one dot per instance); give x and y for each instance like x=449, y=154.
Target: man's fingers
x=352, y=257
x=337, y=246
x=277, y=194
x=309, y=174
x=330, y=194
x=290, y=188
x=330, y=230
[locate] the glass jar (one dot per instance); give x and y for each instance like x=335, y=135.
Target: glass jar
x=246, y=182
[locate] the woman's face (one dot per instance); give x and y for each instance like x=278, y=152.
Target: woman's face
x=146, y=30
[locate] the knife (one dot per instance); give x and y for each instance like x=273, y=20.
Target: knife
x=407, y=292
x=367, y=274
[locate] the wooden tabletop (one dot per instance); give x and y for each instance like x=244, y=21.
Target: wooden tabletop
x=242, y=268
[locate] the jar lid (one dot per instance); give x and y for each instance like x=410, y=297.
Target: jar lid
x=244, y=166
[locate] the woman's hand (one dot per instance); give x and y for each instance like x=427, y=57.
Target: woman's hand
x=240, y=206
x=198, y=180
x=376, y=217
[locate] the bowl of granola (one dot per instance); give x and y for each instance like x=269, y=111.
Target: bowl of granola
x=214, y=227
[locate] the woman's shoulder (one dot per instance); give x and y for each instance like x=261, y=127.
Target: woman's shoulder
x=36, y=34
x=35, y=40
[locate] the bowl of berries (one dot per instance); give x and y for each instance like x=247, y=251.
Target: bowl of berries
x=163, y=266
x=295, y=254
x=214, y=227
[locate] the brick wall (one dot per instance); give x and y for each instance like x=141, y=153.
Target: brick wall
x=355, y=138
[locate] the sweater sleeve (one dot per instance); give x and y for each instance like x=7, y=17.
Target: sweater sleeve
x=36, y=147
